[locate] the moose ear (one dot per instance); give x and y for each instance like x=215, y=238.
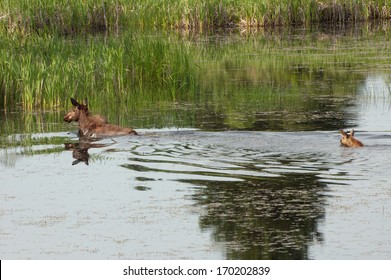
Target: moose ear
x=74, y=102
x=352, y=132
x=343, y=133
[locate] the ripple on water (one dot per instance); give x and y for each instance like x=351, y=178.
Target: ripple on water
x=256, y=195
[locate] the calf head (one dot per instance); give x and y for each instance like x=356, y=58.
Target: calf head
x=74, y=114
x=348, y=139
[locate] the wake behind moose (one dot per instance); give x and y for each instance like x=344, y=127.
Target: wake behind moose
x=94, y=125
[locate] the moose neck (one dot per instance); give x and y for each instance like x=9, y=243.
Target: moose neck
x=83, y=121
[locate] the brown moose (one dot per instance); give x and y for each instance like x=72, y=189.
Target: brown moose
x=94, y=125
x=348, y=139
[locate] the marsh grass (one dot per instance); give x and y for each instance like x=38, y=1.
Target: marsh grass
x=133, y=71
x=60, y=16
x=40, y=68
x=138, y=80
x=43, y=72
x=69, y=17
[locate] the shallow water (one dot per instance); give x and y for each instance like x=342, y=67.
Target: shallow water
x=240, y=176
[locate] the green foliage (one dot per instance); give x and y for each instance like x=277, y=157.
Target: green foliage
x=43, y=71
x=68, y=17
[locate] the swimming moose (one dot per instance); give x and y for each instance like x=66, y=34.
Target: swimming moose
x=94, y=125
x=348, y=139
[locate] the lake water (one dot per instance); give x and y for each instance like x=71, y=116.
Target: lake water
x=233, y=177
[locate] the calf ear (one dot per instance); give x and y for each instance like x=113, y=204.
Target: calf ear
x=343, y=133
x=74, y=102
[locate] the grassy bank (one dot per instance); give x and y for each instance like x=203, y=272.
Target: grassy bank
x=75, y=17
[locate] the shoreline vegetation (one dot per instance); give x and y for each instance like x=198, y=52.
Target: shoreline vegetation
x=52, y=50
x=70, y=17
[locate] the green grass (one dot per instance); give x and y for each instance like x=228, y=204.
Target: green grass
x=40, y=68
x=42, y=72
x=69, y=17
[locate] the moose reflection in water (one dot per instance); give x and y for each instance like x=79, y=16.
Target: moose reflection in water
x=80, y=149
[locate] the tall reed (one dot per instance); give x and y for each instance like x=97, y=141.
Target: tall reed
x=43, y=71
x=90, y=16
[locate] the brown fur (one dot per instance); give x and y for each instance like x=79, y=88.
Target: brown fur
x=96, y=125
x=348, y=140
x=74, y=114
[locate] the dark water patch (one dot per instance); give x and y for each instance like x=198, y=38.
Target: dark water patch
x=142, y=188
x=143, y=179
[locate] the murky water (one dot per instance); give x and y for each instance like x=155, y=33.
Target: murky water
x=259, y=192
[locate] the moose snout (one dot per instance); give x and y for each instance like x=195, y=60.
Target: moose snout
x=67, y=119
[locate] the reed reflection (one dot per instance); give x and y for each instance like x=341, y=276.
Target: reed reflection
x=270, y=218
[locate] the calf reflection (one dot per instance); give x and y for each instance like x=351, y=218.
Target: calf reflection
x=80, y=150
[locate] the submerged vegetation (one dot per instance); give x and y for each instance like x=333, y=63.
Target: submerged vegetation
x=75, y=17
